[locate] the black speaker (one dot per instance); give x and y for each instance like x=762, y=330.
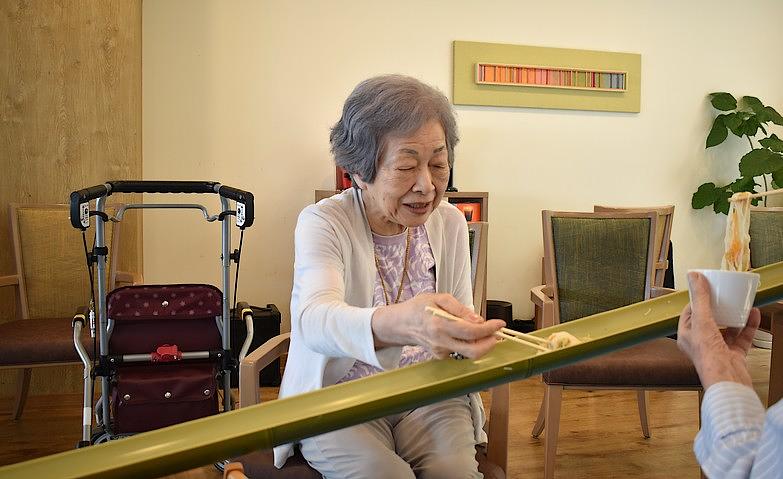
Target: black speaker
x=266, y=325
x=497, y=309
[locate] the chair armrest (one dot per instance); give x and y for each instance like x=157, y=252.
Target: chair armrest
x=10, y=280
x=254, y=363
x=497, y=444
x=658, y=291
x=541, y=296
x=128, y=278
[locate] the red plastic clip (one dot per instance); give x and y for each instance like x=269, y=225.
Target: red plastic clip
x=167, y=353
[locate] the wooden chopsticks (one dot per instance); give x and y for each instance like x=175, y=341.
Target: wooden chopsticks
x=504, y=333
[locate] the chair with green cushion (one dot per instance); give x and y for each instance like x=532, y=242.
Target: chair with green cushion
x=663, y=232
x=766, y=230
x=597, y=262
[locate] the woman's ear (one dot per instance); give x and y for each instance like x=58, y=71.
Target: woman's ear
x=360, y=183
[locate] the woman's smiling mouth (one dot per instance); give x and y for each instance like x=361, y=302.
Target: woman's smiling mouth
x=419, y=208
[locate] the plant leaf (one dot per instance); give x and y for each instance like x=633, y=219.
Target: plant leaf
x=723, y=101
x=774, y=116
x=777, y=177
x=718, y=133
x=734, y=122
x=704, y=196
x=751, y=126
x=721, y=204
x=755, y=163
x=745, y=183
x=775, y=161
x=754, y=104
x=773, y=143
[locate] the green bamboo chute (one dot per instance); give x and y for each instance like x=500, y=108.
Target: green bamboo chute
x=206, y=440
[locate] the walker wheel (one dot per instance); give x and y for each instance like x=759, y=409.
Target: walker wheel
x=100, y=436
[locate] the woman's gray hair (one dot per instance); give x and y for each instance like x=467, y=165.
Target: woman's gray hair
x=384, y=105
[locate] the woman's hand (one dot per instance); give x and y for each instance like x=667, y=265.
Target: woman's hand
x=718, y=356
x=409, y=323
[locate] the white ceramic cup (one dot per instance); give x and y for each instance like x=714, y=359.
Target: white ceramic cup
x=733, y=293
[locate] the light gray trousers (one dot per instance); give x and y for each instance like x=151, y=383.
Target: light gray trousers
x=436, y=441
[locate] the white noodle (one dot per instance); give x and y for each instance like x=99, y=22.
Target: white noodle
x=736, y=256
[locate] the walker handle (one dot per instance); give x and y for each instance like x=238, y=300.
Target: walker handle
x=163, y=186
x=80, y=199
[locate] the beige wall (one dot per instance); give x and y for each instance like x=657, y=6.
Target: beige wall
x=70, y=117
x=244, y=93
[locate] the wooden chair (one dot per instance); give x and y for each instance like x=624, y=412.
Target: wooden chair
x=766, y=229
x=477, y=238
x=663, y=230
x=51, y=282
x=663, y=233
x=492, y=459
x=597, y=262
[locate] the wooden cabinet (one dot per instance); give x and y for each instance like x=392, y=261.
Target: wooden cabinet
x=473, y=203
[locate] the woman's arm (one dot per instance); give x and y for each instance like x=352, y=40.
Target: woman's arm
x=320, y=315
x=735, y=440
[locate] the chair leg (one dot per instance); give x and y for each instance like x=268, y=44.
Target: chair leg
x=538, y=427
x=641, y=399
x=553, y=400
x=497, y=446
x=22, y=386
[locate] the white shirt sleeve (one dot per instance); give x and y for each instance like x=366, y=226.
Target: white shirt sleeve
x=735, y=440
x=321, y=317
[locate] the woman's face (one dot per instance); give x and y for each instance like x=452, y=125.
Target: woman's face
x=412, y=176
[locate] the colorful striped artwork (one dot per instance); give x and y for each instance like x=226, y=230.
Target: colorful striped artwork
x=550, y=77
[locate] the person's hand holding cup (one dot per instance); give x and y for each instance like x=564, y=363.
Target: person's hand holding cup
x=731, y=295
x=719, y=355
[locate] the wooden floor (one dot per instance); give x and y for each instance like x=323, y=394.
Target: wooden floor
x=600, y=434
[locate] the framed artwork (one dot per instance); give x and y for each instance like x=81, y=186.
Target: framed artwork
x=496, y=74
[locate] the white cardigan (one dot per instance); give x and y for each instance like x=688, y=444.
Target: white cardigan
x=332, y=297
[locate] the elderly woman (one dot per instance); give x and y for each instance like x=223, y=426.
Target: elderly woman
x=368, y=263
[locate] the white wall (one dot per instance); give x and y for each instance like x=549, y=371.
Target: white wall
x=244, y=93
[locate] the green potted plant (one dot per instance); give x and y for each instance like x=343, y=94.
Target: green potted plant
x=743, y=119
